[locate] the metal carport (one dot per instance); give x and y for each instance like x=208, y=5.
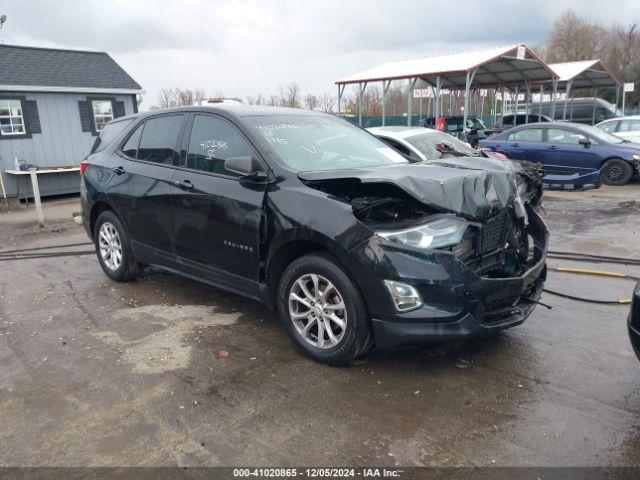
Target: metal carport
x=503, y=67
x=585, y=74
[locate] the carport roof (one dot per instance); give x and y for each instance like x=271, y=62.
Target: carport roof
x=508, y=65
x=585, y=74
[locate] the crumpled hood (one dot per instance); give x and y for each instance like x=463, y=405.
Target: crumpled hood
x=472, y=187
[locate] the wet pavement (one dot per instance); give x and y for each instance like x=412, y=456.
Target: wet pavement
x=167, y=371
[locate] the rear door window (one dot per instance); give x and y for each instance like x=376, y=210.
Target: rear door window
x=159, y=139
x=527, y=135
x=629, y=126
x=566, y=137
x=212, y=141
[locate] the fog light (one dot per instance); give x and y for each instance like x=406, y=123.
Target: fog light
x=405, y=297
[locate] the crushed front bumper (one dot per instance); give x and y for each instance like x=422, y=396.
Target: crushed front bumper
x=633, y=322
x=458, y=303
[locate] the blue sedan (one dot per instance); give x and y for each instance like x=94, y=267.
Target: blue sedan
x=570, y=148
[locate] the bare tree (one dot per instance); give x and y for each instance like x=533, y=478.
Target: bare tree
x=184, y=97
x=311, y=102
x=199, y=95
x=291, y=95
x=327, y=101
x=274, y=100
x=575, y=38
x=257, y=100
x=165, y=98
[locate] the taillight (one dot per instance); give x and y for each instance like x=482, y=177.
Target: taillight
x=83, y=166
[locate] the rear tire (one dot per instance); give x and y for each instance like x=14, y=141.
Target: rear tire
x=113, y=249
x=616, y=171
x=310, y=294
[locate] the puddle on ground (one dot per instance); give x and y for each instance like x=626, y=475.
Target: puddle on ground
x=150, y=338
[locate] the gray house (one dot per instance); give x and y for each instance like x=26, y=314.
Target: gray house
x=53, y=103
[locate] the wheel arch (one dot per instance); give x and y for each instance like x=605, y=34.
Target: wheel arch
x=292, y=245
x=613, y=157
x=96, y=209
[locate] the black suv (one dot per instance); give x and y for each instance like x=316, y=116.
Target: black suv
x=351, y=242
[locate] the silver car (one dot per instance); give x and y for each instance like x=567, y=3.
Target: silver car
x=424, y=144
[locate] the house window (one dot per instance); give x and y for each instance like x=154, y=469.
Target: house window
x=11, y=117
x=102, y=113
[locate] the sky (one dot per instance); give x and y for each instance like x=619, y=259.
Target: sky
x=246, y=47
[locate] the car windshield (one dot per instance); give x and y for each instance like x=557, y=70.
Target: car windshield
x=321, y=142
x=600, y=135
x=435, y=145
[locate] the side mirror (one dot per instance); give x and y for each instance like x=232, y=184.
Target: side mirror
x=585, y=142
x=247, y=167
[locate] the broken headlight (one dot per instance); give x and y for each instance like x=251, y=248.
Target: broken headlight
x=444, y=232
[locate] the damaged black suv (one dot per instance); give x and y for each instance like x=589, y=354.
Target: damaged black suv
x=352, y=243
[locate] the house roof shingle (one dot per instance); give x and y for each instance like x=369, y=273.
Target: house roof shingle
x=34, y=66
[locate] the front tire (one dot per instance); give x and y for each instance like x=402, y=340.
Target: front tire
x=113, y=249
x=323, y=311
x=616, y=172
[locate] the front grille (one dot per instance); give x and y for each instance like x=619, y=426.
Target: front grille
x=492, y=234
x=500, y=304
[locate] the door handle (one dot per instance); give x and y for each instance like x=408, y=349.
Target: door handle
x=514, y=144
x=186, y=184
x=553, y=147
x=118, y=170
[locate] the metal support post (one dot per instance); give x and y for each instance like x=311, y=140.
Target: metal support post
x=566, y=100
x=502, y=107
x=541, y=99
x=594, y=91
x=467, y=87
x=436, y=98
x=36, y=197
x=554, y=85
x=385, y=89
x=361, y=87
x=410, y=85
x=527, y=102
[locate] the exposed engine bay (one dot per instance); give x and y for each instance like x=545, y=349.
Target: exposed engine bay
x=498, y=241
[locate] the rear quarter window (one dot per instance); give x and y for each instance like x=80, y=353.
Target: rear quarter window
x=108, y=133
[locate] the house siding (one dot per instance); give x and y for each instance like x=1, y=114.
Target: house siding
x=61, y=143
